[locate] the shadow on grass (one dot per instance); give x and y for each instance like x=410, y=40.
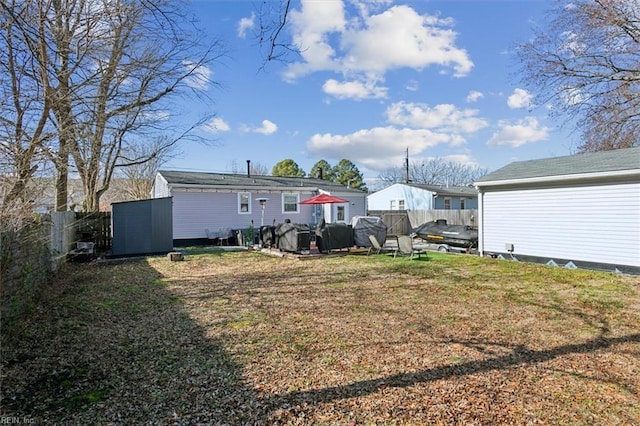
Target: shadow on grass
x=519, y=355
x=113, y=345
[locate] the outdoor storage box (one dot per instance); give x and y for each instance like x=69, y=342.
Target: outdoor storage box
x=334, y=236
x=293, y=237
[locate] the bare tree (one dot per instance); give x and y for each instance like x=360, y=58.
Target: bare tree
x=114, y=67
x=435, y=171
x=135, y=181
x=24, y=111
x=273, y=19
x=586, y=63
x=255, y=168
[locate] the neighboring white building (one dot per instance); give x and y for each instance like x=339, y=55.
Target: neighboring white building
x=580, y=210
x=410, y=196
x=217, y=201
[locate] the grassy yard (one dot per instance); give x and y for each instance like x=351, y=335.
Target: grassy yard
x=243, y=338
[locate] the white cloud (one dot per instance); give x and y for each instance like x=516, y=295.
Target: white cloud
x=465, y=159
x=571, y=44
x=377, y=148
x=443, y=117
x=462, y=158
x=268, y=128
x=400, y=37
x=216, y=125
x=524, y=131
x=520, y=99
x=160, y=115
x=474, y=96
x=365, y=7
x=312, y=25
x=372, y=44
x=354, y=89
x=412, y=86
x=245, y=24
x=572, y=96
x=200, y=75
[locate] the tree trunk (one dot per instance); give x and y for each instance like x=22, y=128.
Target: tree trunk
x=62, y=180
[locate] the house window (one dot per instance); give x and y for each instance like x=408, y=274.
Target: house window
x=392, y=205
x=400, y=204
x=290, y=203
x=340, y=213
x=447, y=203
x=462, y=200
x=244, y=203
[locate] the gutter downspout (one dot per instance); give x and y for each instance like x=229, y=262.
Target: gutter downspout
x=480, y=222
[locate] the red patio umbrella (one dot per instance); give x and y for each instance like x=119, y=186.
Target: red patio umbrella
x=324, y=199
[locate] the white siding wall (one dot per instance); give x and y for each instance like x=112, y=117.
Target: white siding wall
x=355, y=207
x=587, y=223
x=160, y=188
x=414, y=198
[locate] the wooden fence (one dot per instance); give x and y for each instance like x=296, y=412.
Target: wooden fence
x=403, y=221
x=95, y=227
x=70, y=227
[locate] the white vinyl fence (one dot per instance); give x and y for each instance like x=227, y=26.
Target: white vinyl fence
x=62, y=233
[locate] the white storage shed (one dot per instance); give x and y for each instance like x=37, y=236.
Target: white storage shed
x=576, y=211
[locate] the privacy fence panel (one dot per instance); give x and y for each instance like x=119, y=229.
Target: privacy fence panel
x=403, y=221
x=453, y=217
x=94, y=227
x=63, y=233
x=397, y=221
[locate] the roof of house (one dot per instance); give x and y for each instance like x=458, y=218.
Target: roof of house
x=602, y=162
x=245, y=181
x=456, y=191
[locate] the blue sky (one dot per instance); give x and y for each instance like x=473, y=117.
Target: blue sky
x=375, y=78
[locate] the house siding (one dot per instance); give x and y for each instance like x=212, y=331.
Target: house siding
x=414, y=198
x=160, y=188
x=194, y=211
x=204, y=201
x=469, y=203
x=597, y=223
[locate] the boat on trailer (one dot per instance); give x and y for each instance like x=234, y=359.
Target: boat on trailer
x=439, y=232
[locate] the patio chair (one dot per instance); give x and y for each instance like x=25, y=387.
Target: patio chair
x=405, y=248
x=221, y=236
x=376, y=247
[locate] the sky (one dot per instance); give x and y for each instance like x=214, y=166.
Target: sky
x=374, y=80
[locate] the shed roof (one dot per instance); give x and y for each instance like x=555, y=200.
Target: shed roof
x=182, y=178
x=595, y=163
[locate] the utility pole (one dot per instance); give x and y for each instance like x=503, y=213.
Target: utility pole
x=406, y=168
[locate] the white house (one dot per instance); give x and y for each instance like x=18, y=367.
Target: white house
x=216, y=201
x=409, y=196
x=580, y=210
